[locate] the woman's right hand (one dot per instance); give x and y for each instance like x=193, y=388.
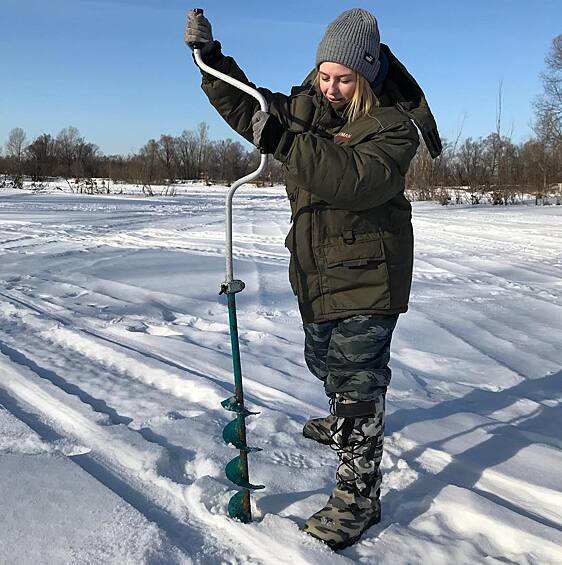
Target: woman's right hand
x=198, y=30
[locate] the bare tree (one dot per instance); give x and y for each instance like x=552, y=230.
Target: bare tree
x=41, y=155
x=548, y=122
x=166, y=151
x=425, y=174
x=203, y=146
x=15, y=148
x=149, y=165
x=68, y=142
x=549, y=105
x=87, y=160
x=469, y=168
x=186, y=145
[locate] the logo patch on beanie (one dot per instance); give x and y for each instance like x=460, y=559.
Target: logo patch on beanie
x=369, y=58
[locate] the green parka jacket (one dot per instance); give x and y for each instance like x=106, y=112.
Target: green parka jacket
x=351, y=240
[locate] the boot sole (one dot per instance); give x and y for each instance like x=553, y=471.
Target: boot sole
x=335, y=546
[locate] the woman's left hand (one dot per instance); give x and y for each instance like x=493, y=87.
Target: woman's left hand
x=267, y=131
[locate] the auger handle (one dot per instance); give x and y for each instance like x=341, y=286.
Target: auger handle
x=198, y=11
x=238, y=183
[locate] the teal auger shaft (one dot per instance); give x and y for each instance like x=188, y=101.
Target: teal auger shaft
x=239, y=392
x=235, y=432
x=239, y=395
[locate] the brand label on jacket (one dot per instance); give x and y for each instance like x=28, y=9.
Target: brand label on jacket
x=342, y=136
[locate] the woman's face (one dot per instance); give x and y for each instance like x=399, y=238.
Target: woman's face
x=337, y=82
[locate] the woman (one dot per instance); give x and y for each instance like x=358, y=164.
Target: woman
x=346, y=139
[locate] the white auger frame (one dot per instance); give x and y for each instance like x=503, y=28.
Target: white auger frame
x=238, y=183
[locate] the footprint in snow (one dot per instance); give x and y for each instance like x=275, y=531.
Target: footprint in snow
x=137, y=327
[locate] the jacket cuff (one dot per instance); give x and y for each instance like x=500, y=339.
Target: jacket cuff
x=212, y=57
x=284, y=146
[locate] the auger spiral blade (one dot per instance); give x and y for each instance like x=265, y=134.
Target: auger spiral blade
x=233, y=405
x=235, y=473
x=237, y=508
x=232, y=434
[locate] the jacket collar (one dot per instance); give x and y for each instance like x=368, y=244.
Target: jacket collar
x=395, y=86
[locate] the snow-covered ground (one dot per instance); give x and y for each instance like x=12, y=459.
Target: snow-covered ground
x=115, y=356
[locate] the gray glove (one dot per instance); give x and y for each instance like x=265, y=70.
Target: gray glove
x=198, y=30
x=267, y=131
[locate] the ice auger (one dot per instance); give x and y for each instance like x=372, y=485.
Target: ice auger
x=235, y=432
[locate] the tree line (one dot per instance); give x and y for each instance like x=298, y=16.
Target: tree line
x=191, y=155
x=490, y=167
x=494, y=167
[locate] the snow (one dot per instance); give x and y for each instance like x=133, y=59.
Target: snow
x=115, y=356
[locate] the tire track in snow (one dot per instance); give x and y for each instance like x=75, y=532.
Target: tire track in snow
x=97, y=404
x=190, y=245
x=91, y=372
x=179, y=511
x=495, y=244
x=466, y=273
x=452, y=241
x=207, y=391
x=481, y=343
x=173, y=467
x=110, y=358
x=120, y=466
x=516, y=495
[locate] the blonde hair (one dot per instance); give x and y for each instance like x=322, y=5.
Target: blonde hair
x=362, y=101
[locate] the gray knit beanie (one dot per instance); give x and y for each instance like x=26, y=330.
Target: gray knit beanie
x=353, y=40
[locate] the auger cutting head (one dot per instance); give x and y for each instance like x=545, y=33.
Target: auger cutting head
x=236, y=470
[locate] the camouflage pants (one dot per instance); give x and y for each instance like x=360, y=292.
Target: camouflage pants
x=350, y=356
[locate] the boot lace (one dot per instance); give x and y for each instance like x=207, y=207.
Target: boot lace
x=339, y=436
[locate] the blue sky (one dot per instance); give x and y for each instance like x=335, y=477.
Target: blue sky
x=118, y=70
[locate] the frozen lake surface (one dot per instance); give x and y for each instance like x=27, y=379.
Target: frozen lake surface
x=115, y=356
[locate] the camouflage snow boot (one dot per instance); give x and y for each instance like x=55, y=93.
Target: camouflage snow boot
x=354, y=504
x=321, y=430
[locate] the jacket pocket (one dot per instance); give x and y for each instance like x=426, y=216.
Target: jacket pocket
x=356, y=274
